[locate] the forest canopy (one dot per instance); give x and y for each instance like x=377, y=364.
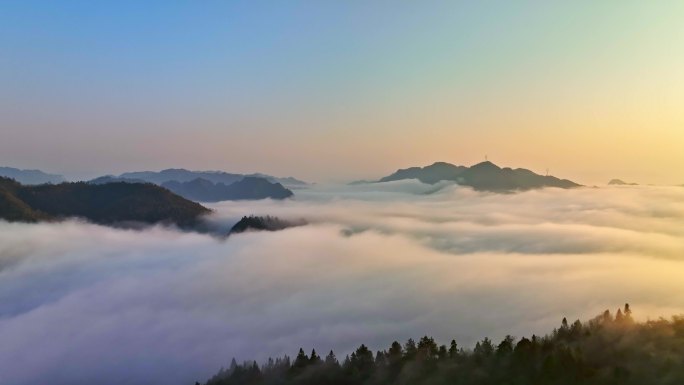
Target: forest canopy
x=608, y=349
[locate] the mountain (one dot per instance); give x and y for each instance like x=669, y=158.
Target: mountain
x=287, y=181
x=430, y=174
x=114, y=179
x=183, y=175
x=109, y=203
x=485, y=176
x=267, y=223
x=30, y=176
x=12, y=208
x=203, y=190
x=619, y=182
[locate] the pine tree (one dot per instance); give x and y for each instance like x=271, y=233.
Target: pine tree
x=331, y=360
x=395, y=351
x=410, y=349
x=301, y=361
x=453, y=349
x=315, y=359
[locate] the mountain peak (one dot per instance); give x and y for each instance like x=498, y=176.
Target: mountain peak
x=485, y=165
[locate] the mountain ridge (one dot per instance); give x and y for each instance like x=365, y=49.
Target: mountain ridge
x=247, y=188
x=483, y=176
x=108, y=204
x=185, y=175
x=30, y=177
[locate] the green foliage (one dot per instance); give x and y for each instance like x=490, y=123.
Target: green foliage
x=604, y=350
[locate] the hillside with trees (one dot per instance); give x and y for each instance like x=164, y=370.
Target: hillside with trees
x=109, y=203
x=608, y=349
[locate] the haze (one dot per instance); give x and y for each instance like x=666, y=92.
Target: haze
x=322, y=91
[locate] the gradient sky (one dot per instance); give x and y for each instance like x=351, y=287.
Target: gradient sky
x=325, y=90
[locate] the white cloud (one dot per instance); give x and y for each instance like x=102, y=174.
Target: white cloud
x=81, y=303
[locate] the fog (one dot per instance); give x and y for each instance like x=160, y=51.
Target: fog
x=81, y=303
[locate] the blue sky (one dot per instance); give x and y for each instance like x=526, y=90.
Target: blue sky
x=334, y=90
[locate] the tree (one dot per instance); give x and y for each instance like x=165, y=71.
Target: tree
x=607, y=317
x=380, y=358
x=628, y=314
x=363, y=359
x=395, y=351
x=453, y=349
x=443, y=353
x=301, y=361
x=410, y=349
x=506, y=346
x=484, y=348
x=427, y=349
x=314, y=359
x=331, y=360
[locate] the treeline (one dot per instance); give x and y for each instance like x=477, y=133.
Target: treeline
x=608, y=349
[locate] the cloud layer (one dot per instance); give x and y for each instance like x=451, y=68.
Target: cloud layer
x=81, y=303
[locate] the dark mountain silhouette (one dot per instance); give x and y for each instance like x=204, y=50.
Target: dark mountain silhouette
x=259, y=223
x=30, y=176
x=203, y=190
x=183, y=175
x=430, y=174
x=485, y=176
x=112, y=203
x=619, y=182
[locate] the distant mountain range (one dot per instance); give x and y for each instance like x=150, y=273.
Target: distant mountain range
x=112, y=203
x=485, y=176
x=210, y=186
x=183, y=175
x=248, y=187
x=30, y=176
x=618, y=182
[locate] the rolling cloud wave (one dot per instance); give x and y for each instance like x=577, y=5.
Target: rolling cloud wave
x=81, y=303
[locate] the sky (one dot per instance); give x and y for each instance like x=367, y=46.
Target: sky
x=332, y=91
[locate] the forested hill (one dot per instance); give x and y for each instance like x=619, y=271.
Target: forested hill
x=261, y=223
x=485, y=176
x=106, y=204
x=609, y=349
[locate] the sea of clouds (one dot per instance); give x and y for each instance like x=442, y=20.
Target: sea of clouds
x=82, y=304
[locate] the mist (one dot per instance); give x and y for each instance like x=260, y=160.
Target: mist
x=81, y=303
